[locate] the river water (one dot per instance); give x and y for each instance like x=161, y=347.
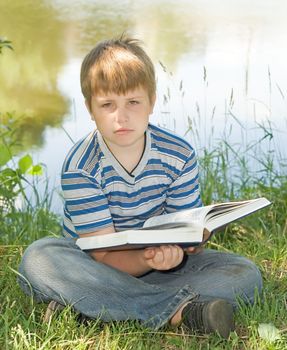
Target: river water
x=220, y=64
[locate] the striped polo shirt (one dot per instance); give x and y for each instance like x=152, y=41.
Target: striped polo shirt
x=99, y=192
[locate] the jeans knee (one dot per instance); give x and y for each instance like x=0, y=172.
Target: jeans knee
x=31, y=266
x=39, y=261
x=250, y=279
x=253, y=273
x=33, y=256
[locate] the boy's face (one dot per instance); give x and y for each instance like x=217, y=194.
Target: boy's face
x=122, y=119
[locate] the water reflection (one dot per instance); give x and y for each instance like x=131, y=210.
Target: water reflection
x=237, y=42
x=29, y=74
x=46, y=34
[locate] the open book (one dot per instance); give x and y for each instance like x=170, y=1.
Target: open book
x=185, y=228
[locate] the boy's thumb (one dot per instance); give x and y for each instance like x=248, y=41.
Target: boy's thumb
x=149, y=253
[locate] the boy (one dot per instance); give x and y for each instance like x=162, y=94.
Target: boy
x=114, y=179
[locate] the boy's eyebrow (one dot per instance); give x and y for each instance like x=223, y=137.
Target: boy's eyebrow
x=103, y=98
x=133, y=97
x=107, y=98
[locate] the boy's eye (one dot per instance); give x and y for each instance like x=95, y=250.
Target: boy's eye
x=134, y=102
x=106, y=105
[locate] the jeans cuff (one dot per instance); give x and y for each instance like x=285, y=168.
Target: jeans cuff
x=183, y=295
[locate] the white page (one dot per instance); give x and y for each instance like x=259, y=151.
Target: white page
x=183, y=234
x=238, y=212
x=195, y=216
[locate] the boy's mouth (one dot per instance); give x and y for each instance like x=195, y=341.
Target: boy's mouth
x=123, y=131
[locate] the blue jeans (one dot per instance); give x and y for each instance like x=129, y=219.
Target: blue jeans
x=56, y=269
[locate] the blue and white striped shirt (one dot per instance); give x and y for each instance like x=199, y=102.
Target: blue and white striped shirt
x=99, y=192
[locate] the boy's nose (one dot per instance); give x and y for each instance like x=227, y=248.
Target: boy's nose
x=121, y=115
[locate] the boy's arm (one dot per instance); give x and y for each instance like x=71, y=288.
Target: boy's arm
x=140, y=261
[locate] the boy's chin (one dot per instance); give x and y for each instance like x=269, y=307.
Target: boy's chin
x=124, y=141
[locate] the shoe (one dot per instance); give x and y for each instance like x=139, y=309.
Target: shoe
x=206, y=317
x=52, y=308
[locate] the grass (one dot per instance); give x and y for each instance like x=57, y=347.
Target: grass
x=261, y=237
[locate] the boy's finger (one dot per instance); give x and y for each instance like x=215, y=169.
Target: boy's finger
x=149, y=253
x=167, y=251
x=190, y=249
x=193, y=250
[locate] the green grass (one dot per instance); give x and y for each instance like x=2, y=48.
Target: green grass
x=261, y=237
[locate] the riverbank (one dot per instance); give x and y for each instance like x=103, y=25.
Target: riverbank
x=262, y=237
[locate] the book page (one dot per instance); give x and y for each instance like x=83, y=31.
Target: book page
x=219, y=217
x=135, y=239
x=179, y=234
x=211, y=216
x=190, y=216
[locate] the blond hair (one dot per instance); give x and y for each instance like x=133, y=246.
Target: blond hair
x=117, y=66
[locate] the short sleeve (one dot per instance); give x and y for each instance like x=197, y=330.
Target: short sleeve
x=86, y=207
x=184, y=191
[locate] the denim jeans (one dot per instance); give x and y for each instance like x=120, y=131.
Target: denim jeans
x=56, y=269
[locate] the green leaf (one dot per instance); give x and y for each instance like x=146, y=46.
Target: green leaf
x=5, y=155
x=8, y=173
x=36, y=170
x=25, y=163
x=268, y=332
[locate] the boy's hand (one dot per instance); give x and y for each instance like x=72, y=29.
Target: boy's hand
x=164, y=257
